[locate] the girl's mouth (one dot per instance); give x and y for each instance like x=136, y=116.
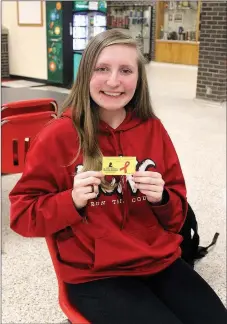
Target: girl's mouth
x=112, y=94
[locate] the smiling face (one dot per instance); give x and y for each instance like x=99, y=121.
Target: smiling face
x=114, y=79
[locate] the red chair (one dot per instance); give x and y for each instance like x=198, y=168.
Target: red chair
x=68, y=309
x=28, y=106
x=17, y=134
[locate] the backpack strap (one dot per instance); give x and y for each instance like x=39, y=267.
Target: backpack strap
x=194, y=226
x=203, y=250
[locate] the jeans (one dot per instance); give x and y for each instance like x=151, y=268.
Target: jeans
x=176, y=295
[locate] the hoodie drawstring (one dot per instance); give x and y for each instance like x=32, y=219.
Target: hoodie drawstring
x=126, y=197
x=123, y=180
x=120, y=142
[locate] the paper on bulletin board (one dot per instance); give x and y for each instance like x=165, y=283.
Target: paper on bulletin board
x=30, y=13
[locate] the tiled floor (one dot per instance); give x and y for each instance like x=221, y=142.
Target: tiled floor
x=33, y=86
x=21, y=84
x=198, y=130
x=52, y=88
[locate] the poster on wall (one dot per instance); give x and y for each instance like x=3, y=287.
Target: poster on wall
x=54, y=41
x=90, y=5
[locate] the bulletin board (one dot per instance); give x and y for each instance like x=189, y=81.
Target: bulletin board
x=30, y=13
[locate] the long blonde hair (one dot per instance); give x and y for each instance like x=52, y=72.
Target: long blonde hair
x=85, y=118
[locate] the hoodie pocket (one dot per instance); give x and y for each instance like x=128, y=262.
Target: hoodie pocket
x=134, y=250
x=121, y=252
x=161, y=243
x=75, y=253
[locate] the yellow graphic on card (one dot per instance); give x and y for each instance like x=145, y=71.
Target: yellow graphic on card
x=117, y=165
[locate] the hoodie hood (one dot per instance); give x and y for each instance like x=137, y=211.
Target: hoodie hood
x=128, y=123
x=113, y=140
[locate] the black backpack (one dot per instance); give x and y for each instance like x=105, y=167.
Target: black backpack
x=191, y=250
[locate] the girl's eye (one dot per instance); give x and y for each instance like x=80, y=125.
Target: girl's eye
x=101, y=69
x=126, y=71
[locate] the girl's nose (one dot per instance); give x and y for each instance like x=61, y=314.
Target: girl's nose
x=113, y=80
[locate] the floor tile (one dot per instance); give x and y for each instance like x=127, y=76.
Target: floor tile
x=52, y=88
x=21, y=84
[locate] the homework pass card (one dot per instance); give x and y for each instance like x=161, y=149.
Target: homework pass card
x=115, y=165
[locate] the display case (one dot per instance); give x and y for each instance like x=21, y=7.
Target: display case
x=177, y=32
x=136, y=19
x=89, y=19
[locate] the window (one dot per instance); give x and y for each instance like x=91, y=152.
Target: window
x=178, y=20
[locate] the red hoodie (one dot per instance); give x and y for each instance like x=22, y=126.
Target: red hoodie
x=123, y=233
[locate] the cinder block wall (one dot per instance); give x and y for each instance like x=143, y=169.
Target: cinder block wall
x=153, y=37
x=4, y=54
x=211, y=81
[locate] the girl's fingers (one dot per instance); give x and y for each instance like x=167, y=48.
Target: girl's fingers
x=149, y=187
x=81, y=194
x=150, y=174
x=86, y=182
x=96, y=190
x=151, y=194
x=88, y=174
x=148, y=180
x=92, y=195
x=88, y=189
